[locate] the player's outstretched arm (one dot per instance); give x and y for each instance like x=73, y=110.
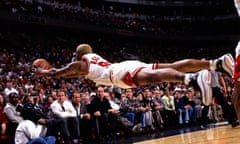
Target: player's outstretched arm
x=72, y=70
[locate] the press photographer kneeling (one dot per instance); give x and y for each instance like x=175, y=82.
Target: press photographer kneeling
x=34, y=127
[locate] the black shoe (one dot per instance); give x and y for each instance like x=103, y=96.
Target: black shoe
x=235, y=124
x=193, y=81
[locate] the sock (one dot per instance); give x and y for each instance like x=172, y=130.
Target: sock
x=212, y=64
x=187, y=78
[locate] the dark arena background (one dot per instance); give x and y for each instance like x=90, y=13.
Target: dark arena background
x=157, y=30
x=147, y=30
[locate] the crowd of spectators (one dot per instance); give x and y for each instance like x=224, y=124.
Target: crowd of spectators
x=179, y=21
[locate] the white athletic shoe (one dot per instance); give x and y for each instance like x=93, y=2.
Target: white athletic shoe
x=225, y=64
x=201, y=81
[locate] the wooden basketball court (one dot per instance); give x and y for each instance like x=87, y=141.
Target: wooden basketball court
x=217, y=135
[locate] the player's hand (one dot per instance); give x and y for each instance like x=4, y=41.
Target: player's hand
x=36, y=73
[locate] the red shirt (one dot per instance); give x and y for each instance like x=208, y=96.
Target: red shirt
x=3, y=118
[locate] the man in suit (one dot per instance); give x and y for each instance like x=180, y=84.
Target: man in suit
x=83, y=115
x=101, y=111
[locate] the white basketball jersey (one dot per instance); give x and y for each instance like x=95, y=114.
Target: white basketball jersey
x=98, y=68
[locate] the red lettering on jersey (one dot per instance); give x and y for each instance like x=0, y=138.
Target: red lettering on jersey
x=95, y=60
x=104, y=64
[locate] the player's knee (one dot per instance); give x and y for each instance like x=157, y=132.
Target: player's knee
x=190, y=62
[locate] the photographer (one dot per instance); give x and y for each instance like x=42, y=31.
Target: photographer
x=30, y=130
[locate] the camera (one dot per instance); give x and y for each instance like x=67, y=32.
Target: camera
x=30, y=112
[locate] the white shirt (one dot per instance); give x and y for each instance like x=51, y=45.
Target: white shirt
x=114, y=105
x=12, y=114
x=59, y=113
x=28, y=130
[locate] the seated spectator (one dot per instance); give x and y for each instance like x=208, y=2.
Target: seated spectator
x=29, y=130
x=31, y=133
x=48, y=103
x=128, y=107
x=183, y=114
x=170, y=111
x=148, y=103
x=83, y=115
x=101, y=111
x=112, y=101
x=117, y=122
x=86, y=101
x=190, y=104
x=13, y=115
x=63, y=109
x=159, y=108
x=3, y=120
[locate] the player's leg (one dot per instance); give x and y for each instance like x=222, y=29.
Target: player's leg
x=236, y=78
x=185, y=65
x=224, y=64
x=148, y=76
x=236, y=75
x=236, y=99
x=200, y=81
